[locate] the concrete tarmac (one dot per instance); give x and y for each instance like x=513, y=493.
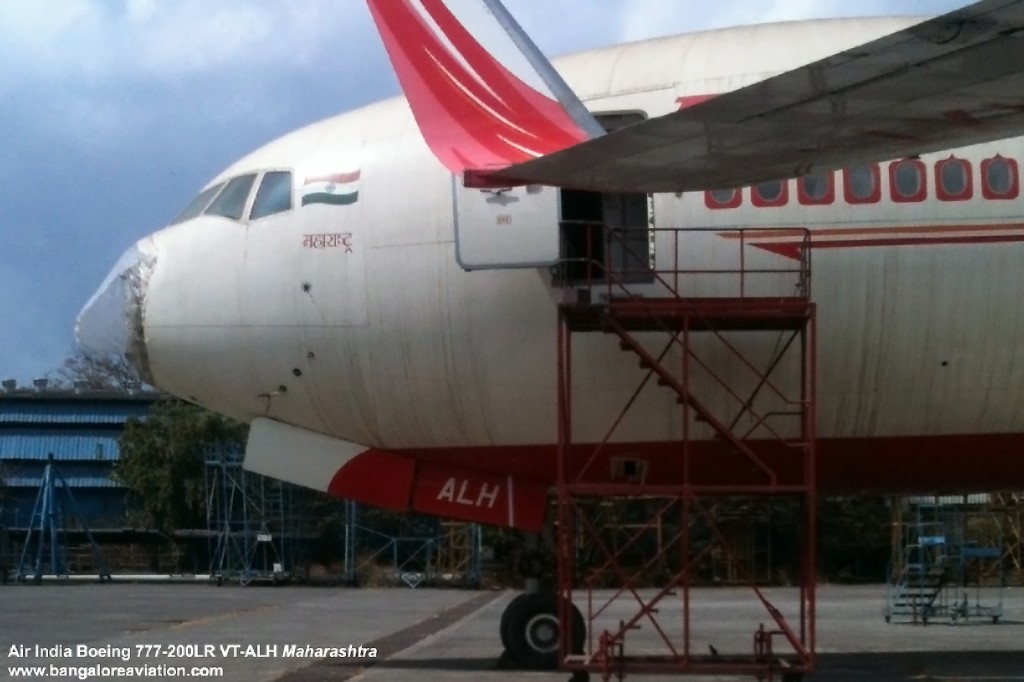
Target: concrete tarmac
x=262, y=634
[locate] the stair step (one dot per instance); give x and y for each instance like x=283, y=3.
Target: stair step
x=915, y=598
x=918, y=598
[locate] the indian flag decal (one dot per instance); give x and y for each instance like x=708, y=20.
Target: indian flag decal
x=338, y=189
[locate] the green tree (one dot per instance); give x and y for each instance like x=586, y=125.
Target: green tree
x=96, y=371
x=162, y=462
x=854, y=540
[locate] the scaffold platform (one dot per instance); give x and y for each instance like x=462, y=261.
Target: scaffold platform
x=667, y=335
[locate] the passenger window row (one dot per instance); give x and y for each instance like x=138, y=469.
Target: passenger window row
x=862, y=184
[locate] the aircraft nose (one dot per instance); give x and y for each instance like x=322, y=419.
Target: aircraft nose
x=111, y=322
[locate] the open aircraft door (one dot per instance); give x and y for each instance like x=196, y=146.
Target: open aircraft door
x=505, y=228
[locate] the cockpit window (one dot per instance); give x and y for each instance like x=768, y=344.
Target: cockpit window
x=197, y=205
x=273, y=196
x=231, y=202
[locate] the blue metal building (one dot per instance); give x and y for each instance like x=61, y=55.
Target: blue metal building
x=80, y=429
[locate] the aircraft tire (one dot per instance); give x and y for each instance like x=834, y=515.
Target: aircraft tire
x=531, y=631
x=503, y=624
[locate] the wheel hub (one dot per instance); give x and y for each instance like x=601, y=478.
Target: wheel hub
x=542, y=632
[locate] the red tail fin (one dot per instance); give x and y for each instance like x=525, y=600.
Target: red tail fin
x=477, y=110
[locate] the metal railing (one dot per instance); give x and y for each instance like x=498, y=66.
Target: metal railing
x=610, y=259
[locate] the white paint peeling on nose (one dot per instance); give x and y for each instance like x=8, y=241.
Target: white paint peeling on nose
x=111, y=322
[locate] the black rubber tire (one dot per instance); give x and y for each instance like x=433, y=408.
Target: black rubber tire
x=531, y=631
x=503, y=624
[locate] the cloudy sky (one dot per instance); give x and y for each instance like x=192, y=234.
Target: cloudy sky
x=114, y=112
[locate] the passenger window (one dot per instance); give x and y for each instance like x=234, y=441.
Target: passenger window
x=907, y=181
x=816, y=188
x=999, y=178
x=953, y=179
x=861, y=184
x=273, y=196
x=722, y=198
x=197, y=205
x=770, y=194
x=231, y=202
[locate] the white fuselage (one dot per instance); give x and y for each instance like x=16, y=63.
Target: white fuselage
x=380, y=338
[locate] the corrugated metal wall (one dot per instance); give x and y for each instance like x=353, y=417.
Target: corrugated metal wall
x=87, y=444
x=950, y=500
x=80, y=431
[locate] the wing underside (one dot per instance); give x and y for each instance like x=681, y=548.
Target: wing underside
x=949, y=82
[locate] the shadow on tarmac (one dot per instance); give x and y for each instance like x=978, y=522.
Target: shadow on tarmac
x=960, y=666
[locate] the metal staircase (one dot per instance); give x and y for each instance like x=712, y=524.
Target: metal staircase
x=939, y=570
x=747, y=430
x=917, y=588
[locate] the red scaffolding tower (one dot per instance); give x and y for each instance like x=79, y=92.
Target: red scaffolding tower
x=739, y=362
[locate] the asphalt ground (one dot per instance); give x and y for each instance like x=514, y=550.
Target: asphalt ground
x=256, y=633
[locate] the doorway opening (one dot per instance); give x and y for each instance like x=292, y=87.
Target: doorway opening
x=606, y=234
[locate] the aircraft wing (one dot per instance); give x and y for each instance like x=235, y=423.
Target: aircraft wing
x=948, y=82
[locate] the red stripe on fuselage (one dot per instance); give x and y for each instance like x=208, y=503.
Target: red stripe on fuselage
x=891, y=465
x=755, y=234
x=381, y=478
x=788, y=242
x=506, y=485
x=916, y=241
x=397, y=481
